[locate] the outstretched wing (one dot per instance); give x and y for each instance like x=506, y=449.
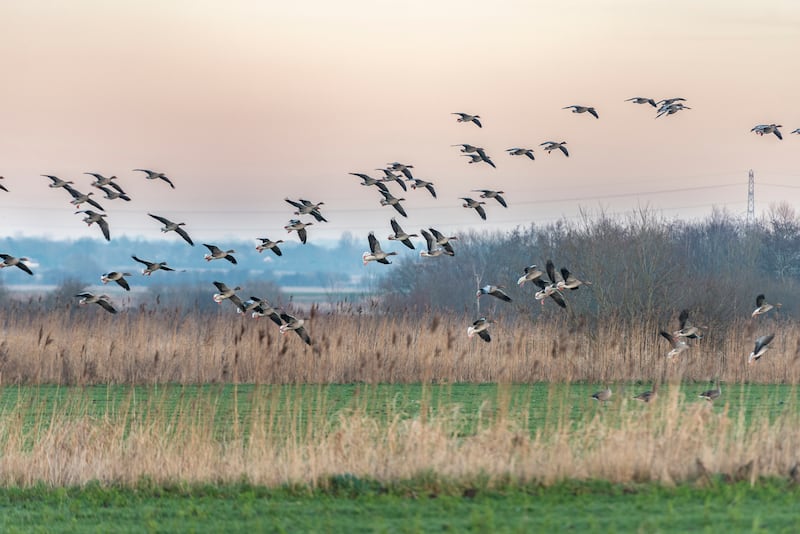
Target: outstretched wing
x=162, y=220
x=563, y=149
x=484, y=335
x=106, y=306
x=104, y=228
x=181, y=232
x=124, y=283
x=556, y=296
x=481, y=212
x=400, y=209
x=374, y=246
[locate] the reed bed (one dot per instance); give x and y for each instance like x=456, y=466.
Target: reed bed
x=70, y=345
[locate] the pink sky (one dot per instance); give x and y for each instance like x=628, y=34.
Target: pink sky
x=245, y=103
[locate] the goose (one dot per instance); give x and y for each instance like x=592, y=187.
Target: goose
x=432, y=250
x=306, y=207
x=712, y=394
x=548, y=290
x=390, y=200
x=478, y=158
x=549, y=146
x=227, y=293
x=797, y=131
x=117, y=277
x=670, y=101
x=293, y=323
x=762, y=129
x=488, y=193
x=556, y=278
x=570, y=281
x=521, y=152
x=495, y=291
x=100, y=180
x=79, y=198
x=57, y=182
x=102, y=300
x=466, y=117
x=375, y=253
x=530, y=273
x=422, y=183
x=94, y=217
x=480, y=327
x=216, y=253
x=299, y=227
x=11, y=261
x=762, y=306
x=369, y=180
x=151, y=267
x=401, y=167
x=268, y=244
x=467, y=149
x=152, y=175
x=112, y=194
x=678, y=345
x=444, y=241
x=170, y=226
x=400, y=235
x=583, y=109
x=2, y=186
x=760, y=347
x=648, y=396
x=476, y=205
x=686, y=328
x=642, y=100
x=603, y=395
x=389, y=176
x=671, y=109
x=261, y=308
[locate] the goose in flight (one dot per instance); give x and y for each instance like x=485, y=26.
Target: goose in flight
x=521, y=152
x=583, y=109
x=390, y=176
x=79, y=198
x=570, y=281
x=170, y=226
x=293, y=323
x=112, y=194
x=102, y=300
x=648, y=396
x=152, y=175
x=762, y=306
x=686, y=328
x=466, y=117
x=390, y=200
x=401, y=167
x=306, y=207
x=227, y=293
x=444, y=241
x=422, y=183
x=216, y=253
x=299, y=227
x=548, y=290
x=375, y=252
x=268, y=244
x=401, y=235
x=712, y=394
x=495, y=291
x=480, y=327
x=797, y=131
x=369, y=180
x=117, y=277
x=11, y=261
x=100, y=181
x=642, y=100
x=488, y=193
x=670, y=109
x=432, y=249
x=476, y=205
x=480, y=156
x=468, y=149
x=261, y=308
x=530, y=273
x=678, y=345
x=94, y=217
x=602, y=395
x=151, y=267
x=767, y=129
x=760, y=347
x=549, y=146
x=57, y=182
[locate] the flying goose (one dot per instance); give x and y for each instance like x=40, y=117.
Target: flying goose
x=422, y=183
x=389, y=176
x=488, y=193
x=227, y=293
x=549, y=146
x=669, y=109
x=478, y=157
x=401, y=167
x=2, y=186
x=369, y=180
x=152, y=175
x=480, y=327
x=170, y=226
x=603, y=395
x=583, y=109
x=521, y=152
x=268, y=244
x=495, y=291
x=261, y=308
x=548, y=290
x=375, y=253
x=712, y=394
x=79, y=198
x=797, y=131
x=216, y=253
x=432, y=249
x=762, y=306
x=100, y=180
x=151, y=267
x=642, y=100
x=762, y=129
x=530, y=273
x=102, y=300
x=476, y=205
x=686, y=328
x=112, y=194
x=94, y=217
x=306, y=207
x=760, y=347
x=678, y=345
x=444, y=241
x=466, y=148
x=293, y=323
x=400, y=235
x=57, y=182
x=466, y=117
x=570, y=281
x=117, y=277
x=648, y=396
x=11, y=261
x=299, y=227
x=390, y=200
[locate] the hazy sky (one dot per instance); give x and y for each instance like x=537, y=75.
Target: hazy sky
x=245, y=103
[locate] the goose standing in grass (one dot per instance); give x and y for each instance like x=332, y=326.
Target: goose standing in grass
x=760, y=347
x=602, y=395
x=112, y=194
x=306, y=207
x=488, y=193
x=170, y=226
x=369, y=180
x=529, y=274
x=686, y=328
x=466, y=117
x=293, y=323
x=57, y=182
x=444, y=241
x=216, y=253
x=648, y=396
x=261, y=308
x=762, y=129
x=79, y=198
x=521, y=152
x=390, y=176
x=268, y=244
x=299, y=227
x=712, y=394
x=11, y=261
x=117, y=277
x=678, y=345
x=375, y=253
x=549, y=146
x=480, y=327
x=226, y=293
x=762, y=306
x=570, y=281
x=401, y=235
x=402, y=167
x=151, y=267
x=583, y=109
x=422, y=183
x=432, y=249
x=2, y=186
x=101, y=300
x=152, y=175
x=391, y=200
x=476, y=205
x=94, y=217
x=495, y=291
x=642, y=100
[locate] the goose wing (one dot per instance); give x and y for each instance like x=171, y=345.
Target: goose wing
x=303, y=335
x=481, y=211
x=293, y=203
x=374, y=246
x=181, y=232
x=168, y=181
x=213, y=249
x=400, y=209
x=501, y=200
x=123, y=283
x=101, y=222
x=563, y=149
x=593, y=113
x=428, y=239
x=162, y=220
x=550, y=267
x=143, y=262
x=106, y=305
x=484, y=335
x=221, y=286
x=762, y=342
x=556, y=296
x=25, y=268
x=303, y=235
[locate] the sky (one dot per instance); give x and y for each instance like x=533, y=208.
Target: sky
x=245, y=103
